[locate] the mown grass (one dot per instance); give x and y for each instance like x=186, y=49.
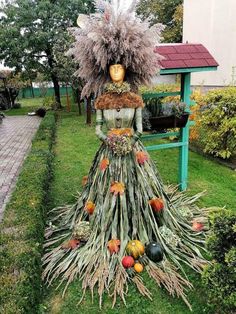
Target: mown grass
x=29, y=105
x=75, y=148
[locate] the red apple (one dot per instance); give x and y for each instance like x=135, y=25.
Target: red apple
x=197, y=226
x=127, y=261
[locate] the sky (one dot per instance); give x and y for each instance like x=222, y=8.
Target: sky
x=2, y=67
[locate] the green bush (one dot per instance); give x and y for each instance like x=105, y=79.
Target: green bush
x=159, y=88
x=218, y=122
x=219, y=277
x=16, y=105
x=154, y=104
x=223, y=234
x=22, y=228
x=49, y=102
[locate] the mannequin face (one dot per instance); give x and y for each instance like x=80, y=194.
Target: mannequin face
x=117, y=73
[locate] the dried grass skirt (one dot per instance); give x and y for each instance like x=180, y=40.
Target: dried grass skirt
x=125, y=217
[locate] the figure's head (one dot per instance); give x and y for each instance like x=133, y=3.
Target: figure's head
x=117, y=73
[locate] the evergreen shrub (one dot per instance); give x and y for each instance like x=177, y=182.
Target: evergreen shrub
x=49, y=102
x=216, y=125
x=219, y=277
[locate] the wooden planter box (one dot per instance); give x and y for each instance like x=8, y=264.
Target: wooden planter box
x=168, y=122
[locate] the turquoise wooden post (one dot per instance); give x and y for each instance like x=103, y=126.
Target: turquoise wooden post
x=170, y=66
x=184, y=133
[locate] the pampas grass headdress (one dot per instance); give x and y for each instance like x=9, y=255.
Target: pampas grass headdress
x=114, y=34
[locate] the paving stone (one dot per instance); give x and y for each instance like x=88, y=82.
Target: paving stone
x=16, y=134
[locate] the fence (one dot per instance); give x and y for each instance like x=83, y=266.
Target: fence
x=29, y=92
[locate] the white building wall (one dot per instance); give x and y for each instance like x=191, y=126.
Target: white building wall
x=164, y=79
x=213, y=24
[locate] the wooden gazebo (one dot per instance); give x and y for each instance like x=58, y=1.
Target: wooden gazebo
x=181, y=59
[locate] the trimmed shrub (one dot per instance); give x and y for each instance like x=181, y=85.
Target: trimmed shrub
x=216, y=125
x=16, y=105
x=22, y=229
x=219, y=277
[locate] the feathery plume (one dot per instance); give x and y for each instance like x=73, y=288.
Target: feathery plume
x=114, y=34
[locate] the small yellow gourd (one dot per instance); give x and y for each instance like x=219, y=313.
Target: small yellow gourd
x=135, y=248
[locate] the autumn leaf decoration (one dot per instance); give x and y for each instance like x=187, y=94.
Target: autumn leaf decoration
x=117, y=188
x=89, y=207
x=141, y=157
x=84, y=180
x=120, y=132
x=113, y=246
x=104, y=164
x=71, y=244
x=157, y=204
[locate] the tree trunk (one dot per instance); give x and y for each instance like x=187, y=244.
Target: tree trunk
x=13, y=95
x=54, y=78
x=67, y=99
x=89, y=111
x=78, y=101
x=56, y=87
x=7, y=93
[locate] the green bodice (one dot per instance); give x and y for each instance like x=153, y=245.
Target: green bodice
x=118, y=118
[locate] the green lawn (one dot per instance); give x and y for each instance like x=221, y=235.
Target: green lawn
x=75, y=148
x=29, y=105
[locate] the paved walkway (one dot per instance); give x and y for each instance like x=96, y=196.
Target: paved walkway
x=16, y=134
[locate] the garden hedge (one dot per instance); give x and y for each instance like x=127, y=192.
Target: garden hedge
x=219, y=277
x=215, y=128
x=22, y=228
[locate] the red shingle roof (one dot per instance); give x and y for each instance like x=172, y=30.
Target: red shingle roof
x=185, y=56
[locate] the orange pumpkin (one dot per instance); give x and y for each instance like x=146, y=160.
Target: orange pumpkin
x=138, y=267
x=157, y=204
x=89, y=207
x=135, y=248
